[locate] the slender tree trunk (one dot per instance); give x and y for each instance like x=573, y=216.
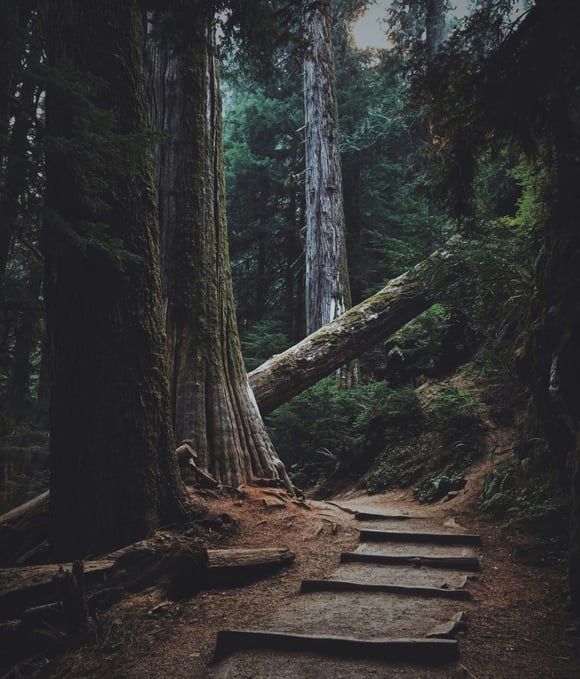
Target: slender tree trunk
x=435, y=26
x=15, y=108
x=434, y=38
x=114, y=474
x=26, y=336
x=294, y=265
x=327, y=286
x=43, y=392
x=214, y=407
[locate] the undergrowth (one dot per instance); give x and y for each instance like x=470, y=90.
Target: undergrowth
x=448, y=438
x=318, y=432
x=393, y=438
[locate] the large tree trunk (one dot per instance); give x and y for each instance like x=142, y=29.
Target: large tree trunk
x=287, y=374
x=114, y=474
x=327, y=285
x=214, y=408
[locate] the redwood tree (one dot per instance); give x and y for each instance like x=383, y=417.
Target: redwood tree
x=114, y=474
x=327, y=285
x=213, y=405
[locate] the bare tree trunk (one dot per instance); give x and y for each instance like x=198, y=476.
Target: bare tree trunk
x=287, y=374
x=26, y=336
x=214, y=407
x=16, y=104
x=434, y=38
x=435, y=26
x=327, y=286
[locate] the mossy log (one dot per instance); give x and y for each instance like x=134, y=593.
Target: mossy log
x=286, y=375
x=179, y=568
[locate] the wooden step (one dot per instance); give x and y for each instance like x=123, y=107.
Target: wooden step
x=408, y=590
x=463, y=563
x=369, y=535
x=420, y=651
x=372, y=516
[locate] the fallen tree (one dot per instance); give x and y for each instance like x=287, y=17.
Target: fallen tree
x=48, y=608
x=286, y=375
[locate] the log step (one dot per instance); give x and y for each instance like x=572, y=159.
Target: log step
x=424, y=651
x=372, y=516
x=369, y=535
x=408, y=590
x=238, y=565
x=463, y=563
x=248, y=558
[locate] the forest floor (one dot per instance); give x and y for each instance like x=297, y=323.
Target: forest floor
x=517, y=623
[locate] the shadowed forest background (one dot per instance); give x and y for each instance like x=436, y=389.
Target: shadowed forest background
x=154, y=251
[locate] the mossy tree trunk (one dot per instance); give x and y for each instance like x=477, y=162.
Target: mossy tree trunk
x=363, y=326
x=213, y=406
x=552, y=364
x=114, y=474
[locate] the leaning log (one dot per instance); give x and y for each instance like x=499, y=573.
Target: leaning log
x=287, y=374
x=23, y=529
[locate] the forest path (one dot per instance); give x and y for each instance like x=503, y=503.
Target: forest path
x=516, y=618
x=396, y=605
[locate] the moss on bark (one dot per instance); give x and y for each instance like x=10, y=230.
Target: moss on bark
x=214, y=408
x=114, y=473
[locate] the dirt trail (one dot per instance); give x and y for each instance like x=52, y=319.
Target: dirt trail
x=516, y=620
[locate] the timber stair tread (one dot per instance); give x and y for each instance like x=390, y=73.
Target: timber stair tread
x=369, y=609
x=464, y=563
x=371, y=535
x=377, y=516
x=391, y=588
x=428, y=649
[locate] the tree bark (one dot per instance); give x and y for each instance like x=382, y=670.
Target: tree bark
x=214, y=409
x=327, y=285
x=114, y=474
x=435, y=26
x=287, y=374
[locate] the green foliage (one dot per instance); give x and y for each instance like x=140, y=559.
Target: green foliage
x=494, y=279
x=424, y=325
x=325, y=435
x=432, y=345
x=535, y=178
x=510, y=489
x=389, y=227
x=387, y=217
x=433, y=458
x=319, y=430
x=451, y=409
x=262, y=147
x=261, y=341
